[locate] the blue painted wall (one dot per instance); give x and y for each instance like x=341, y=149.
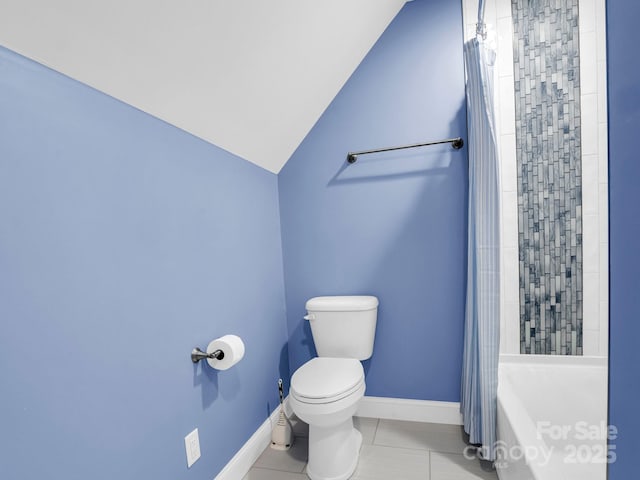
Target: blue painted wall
x=124, y=243
x=624, y=231
x=394, y=224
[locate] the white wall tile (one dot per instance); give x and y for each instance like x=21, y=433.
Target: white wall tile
x=490, y=15
x=590, y=342
x=601, y=76
x=603, y=212
x=603, y=161
x=594, y=150
x=588, y=71
x=604, y=272
x=503, y=283
x=467, y=12
x=601, y=30
x=511, y=335
x=510, y=219
x=591, y=302
x=590, y=184
x=511, y=275
x=504, y=61
x=590, y=244
x=503, y=329
x=587, y=15
x=589, y=119
x=604, y=328
x=603, y=153
x=503, y=9
x=470, y=17
x=508, y=162
x=513, y=342
x=496, y=110
x=507, y=110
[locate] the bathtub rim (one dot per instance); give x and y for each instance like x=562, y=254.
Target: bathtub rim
x=540, y=359
x=512, y=409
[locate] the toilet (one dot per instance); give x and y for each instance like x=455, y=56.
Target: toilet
x=325, y=391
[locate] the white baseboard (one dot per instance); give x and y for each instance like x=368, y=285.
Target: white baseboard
x=410, y=410
x=242, y=461
x=374, y=407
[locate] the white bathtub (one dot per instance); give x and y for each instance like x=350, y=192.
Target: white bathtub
x=552, y=418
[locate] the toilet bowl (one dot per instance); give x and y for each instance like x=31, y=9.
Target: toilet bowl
x=325, y=393
x=326, y=390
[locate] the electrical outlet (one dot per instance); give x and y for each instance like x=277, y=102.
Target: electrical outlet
x=192, y=445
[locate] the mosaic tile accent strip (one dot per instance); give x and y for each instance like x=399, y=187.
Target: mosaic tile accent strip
x=547, y=99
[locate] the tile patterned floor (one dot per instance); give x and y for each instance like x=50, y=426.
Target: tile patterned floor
x=390, y=450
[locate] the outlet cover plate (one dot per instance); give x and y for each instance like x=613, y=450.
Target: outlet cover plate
x=192, y=445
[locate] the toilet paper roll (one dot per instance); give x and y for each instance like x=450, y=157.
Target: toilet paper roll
x=233, y=349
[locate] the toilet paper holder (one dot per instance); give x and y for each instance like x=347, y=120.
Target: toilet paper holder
x=197, y=355
x=221, y=353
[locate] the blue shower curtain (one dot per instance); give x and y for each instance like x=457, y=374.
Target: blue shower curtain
x=482, y=322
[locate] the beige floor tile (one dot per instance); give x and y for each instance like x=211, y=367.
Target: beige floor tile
x=266, y=474
x=425, y=436
x=300, y=428
x=446, y=466
x=388, y=463
x=293, y=460
x=367, y=427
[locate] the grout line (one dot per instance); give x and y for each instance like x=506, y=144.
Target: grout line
x=276, y=470
x=277, y=452
x=395, y=447
x=375, y=432
x=428, y=451
x=418, y=449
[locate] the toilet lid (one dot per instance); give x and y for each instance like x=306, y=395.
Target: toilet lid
x=326, y=377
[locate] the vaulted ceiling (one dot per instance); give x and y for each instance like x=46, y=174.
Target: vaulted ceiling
x=250, y=76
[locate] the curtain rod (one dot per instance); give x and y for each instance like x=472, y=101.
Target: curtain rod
x=481, y=27
x=456, y=143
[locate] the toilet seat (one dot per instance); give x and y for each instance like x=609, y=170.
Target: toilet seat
x=327, y=380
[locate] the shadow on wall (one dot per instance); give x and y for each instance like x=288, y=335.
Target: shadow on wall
x=412, y=162
x=283, y=370
x=409, y=163
x=207, y=378
x=401, y=225
x=422, y=278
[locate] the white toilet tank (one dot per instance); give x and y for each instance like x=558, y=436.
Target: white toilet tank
x=343, y=326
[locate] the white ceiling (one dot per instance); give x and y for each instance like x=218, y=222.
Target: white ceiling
x=250, y=76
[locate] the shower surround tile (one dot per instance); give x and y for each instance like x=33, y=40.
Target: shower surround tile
x=548, y=149
x=593, y=118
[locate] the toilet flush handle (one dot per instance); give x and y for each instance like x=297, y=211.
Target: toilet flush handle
x=309, y=317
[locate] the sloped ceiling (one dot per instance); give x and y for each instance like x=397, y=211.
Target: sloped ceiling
x=250, y=76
